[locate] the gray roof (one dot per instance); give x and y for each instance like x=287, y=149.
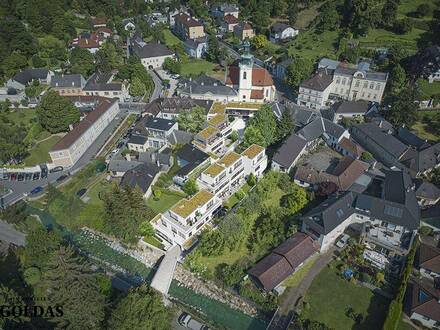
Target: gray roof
x=180, y=137
x=350, y=71
x=192, y=156
x=194, y=43
x=380, y=136
x=151, y=50
x=422, y=160
x=318, y=82
x=155, y=157
x=176, y=105
x=360, y=107
x=289, y=151
x=206, y=85
x=138, y=139
x=26, y=76
x=301, y=116
x=101, y=82
x=320, y=126
x=67, y=80
x=140, y=177
x=409, y=138
x=122, y=165
x=279, y=27
x=159, y=124
x=426, y=190
x=328, y=63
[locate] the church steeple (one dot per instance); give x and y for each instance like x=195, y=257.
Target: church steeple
x=245, y=73
x=247, y=59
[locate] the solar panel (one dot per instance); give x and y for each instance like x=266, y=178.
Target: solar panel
x=393, y=211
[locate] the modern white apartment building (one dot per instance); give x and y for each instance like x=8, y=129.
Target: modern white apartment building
x=67, y=151
x=186, y=218
x=254, y=160
x=210, y=140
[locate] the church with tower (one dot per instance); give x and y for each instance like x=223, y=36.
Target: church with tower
x=245, y=82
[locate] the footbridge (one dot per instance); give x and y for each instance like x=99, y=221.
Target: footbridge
x=164, y=274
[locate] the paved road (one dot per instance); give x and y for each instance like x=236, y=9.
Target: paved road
x=9, y=234
x=157, y=85
x=289, y=305
x=19, y=188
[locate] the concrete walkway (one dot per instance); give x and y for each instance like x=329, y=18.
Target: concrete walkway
x=164, y=274
x=286, y=311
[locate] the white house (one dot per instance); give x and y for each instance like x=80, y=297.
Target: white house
x=282, y=31
x=196, y=48
x=152, y=55
x=138, y=143
x=67, y=151
x=103, y=85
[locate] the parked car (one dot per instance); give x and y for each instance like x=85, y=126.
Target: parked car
x=62, y=178
x=56, y=169
x=342, y=242
x=187, y=321
x=36, y=190
x=115, y=151
x=81, y=192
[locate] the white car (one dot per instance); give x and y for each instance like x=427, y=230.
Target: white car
x=342, y=242
x=187, y=321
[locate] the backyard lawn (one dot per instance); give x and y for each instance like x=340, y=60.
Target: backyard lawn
x=330, y=296
x=170, y=39
x=427, y=90
x=167, y=199
x=195, y=67
x=311, y=45
x=422, y=129
x=233, y=199
x=40, y=152
x=384, y=38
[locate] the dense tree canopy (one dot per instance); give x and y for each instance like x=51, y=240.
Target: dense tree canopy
x=55, y=113
x=193, y=120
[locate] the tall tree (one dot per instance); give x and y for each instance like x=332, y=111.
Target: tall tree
x=81, y=61
x=141, y=308
x=403, y=108
x=72, y=285
x=389, y=12
x=252, y=135
x=55, y=113
x=285, y=125
x=297, y=71
x=40, y=244
x=264, y=120
x=398, y=79
x=193, y=120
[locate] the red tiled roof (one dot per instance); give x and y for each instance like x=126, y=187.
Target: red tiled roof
x=351, y=146
x=257, y=94
x=231, y=19
x=428, y=257
x=104, y=30
x=187, y=20
x=84, y=124
x=425, y=304
x=260, y=76
x=98, y=20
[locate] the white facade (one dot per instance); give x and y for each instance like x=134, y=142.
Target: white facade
x=426, y=321
x=154, y=62
x=69, y=155
x=358, y=87
x=314, y=99
x=121, y=93
x=186, y=219
x=287, y=33
x=434, y=77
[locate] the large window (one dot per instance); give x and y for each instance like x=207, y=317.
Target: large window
x=244, y=75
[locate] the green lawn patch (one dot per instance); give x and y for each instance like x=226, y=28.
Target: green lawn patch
x=422, y=129
x=330, y=296
x=170, y=39
x=311, y=45
x=195, y=67
x=297, y=277
x=409, y=6
x=384, y=38
x=233, y=199
x=154, y=241
x=306, y=16
x=167, y=199
x=40, y=152
x=22, y=116
x=427, y=90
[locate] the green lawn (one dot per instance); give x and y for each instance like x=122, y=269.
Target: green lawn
x=297, y=277
x=153, y=241
x=422, y=129
x=427, y=90
x=195, y=67
x=384, y=38
x=329, y=297
x=167, y=199
x=233, y=199
x=306, y=16
x=170, y=39
x=22, y=116
x=311, y=45
x=40, y=152
x=408, y=6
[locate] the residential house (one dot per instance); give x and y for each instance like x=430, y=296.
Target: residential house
x=90, y=41
x=286, y=157
x=138, y=143
x=427, y=193
x=196, y=48
x=229, y=22
x=315, y=91
x=190, y=159
x=271, y=271
x=389, y=218
x=170, y=108
x=164, y=159
x=69, y=149
x=156, y=18
x=187, y=27
x=225, y=9
x=23, y=78
x=348, y=147
x=427, y=259
x=102, y=84
x=350, y=109
x=128, y=24
x=118, y=167
x=104, y=32
x=98, y=22
x=422, y=302
x=159, y=130
x=152, y=55
x=279, y=70
x=68, y=84
x=428, y=63
x=142, y=177
x=186, y=218
x=206, y=88
x=244, y=31
x=281, y=31
x=254, y=160
x=210, y=140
